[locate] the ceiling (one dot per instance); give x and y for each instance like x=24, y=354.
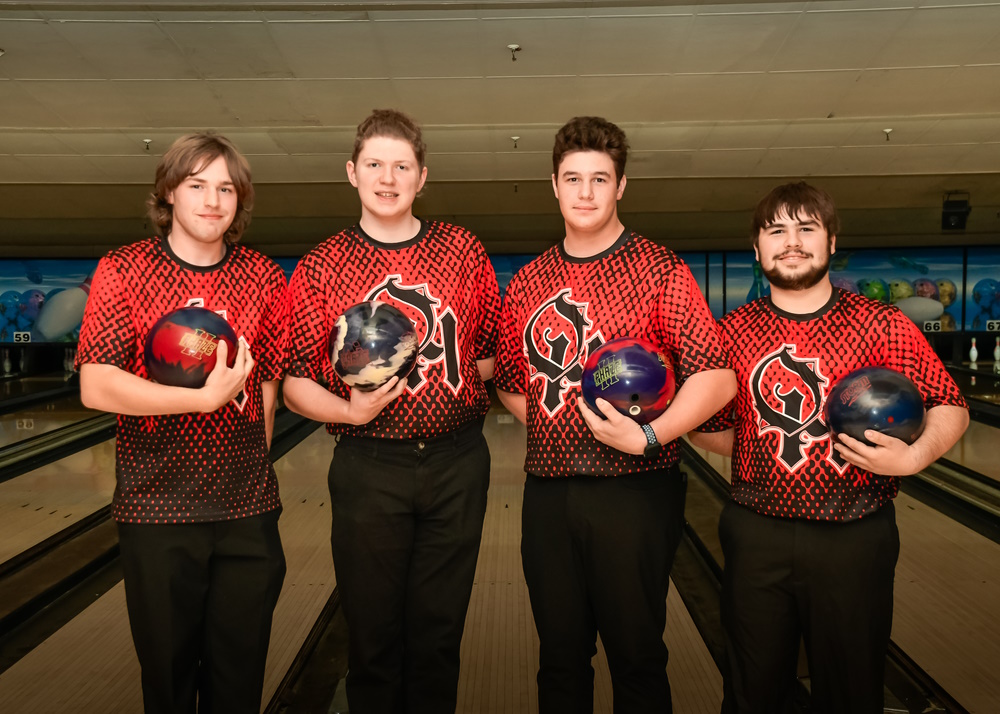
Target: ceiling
x=720, y=103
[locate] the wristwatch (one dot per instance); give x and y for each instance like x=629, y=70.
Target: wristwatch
x=652, y=445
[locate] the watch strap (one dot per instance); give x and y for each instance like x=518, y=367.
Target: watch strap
x=652, y=443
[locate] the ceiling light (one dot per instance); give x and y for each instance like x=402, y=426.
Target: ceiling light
x=514, y=49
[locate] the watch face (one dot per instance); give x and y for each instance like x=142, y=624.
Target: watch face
x=651, y=450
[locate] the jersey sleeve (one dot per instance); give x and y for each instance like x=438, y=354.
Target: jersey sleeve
x=688, y=328
x=910, y=353
x=725, y=418
x=511, y=373
x=108, y=334
x=486, y=341
x=308, y=322
x=271, y=355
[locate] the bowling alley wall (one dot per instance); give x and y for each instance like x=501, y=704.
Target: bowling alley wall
x=943, y=290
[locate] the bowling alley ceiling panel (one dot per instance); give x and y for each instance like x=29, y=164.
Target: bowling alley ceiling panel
x=720, y=101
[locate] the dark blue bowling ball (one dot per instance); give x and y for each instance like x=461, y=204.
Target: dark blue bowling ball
x=875, y=398
x=371, y=343
x=635, y=376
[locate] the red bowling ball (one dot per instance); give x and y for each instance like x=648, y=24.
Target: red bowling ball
x=181, y=348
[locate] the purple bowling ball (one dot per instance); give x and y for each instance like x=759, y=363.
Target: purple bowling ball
x=845, y=284
x=922, y=287
x=31, y=304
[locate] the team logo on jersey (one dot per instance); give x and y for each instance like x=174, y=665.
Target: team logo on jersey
x=557, y=341
x=787, y=395
x=437, y=328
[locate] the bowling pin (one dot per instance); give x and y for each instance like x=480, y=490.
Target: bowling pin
x=62, y=312
x=973, y=354
x=6, y=363
x=996, y=351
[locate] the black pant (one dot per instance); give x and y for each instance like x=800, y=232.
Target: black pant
x=407, y=523
x=827, y=583
x=597, y=553
x=200, y=598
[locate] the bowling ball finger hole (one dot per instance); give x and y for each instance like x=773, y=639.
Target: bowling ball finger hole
x=633, y=398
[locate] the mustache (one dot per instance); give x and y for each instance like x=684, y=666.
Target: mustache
x=799, y=253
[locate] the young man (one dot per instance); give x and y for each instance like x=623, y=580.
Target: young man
x=197, y=498
x=810, y=537
x=604, y=499
x=411, y=468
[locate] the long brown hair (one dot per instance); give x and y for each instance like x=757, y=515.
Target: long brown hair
x=186, y=157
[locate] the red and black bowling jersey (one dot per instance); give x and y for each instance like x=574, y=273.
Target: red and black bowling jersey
x=784, y=463
x=443, y=281
x=558, y=309
x=188, y=468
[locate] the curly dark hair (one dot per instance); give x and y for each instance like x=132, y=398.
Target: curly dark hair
x=591, y=134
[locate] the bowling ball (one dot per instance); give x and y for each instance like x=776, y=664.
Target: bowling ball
x=875, y=289
x=181, y=347
x=635, y=376
x=984, y=293
x=31, y=303
x=900, y=290
x=875, y=398
x=371, y=343
x=845, y=284
x=947, y=291
x=10, y=304
x=922, y=287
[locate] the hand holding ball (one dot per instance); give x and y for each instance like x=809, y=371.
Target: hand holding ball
x=875, y=398
x=181, y=348
x=634, y=376
x=371, y=343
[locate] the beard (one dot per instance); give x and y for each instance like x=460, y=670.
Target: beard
x=798, y=281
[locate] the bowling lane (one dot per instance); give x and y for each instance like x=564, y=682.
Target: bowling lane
x=947, y=587
x=42, y=418
x=40, y=503
x=89, y=666
x=500, y=644
x=977, y=450
x=16, y=391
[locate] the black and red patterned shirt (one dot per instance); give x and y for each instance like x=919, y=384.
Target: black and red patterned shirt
x=443, y=281
x=784, y=463
x=188, y=468
x=558, y=309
